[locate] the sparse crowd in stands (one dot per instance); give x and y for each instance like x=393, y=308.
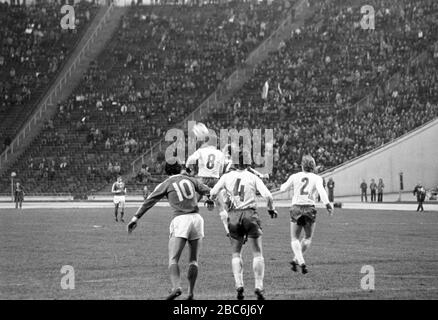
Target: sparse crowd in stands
x=33, y=48
x=164, y=61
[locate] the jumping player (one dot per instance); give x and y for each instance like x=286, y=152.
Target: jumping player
x=244, y=223
x=211, y=164
x=187, y=225
x=119, y=191
x=304, y=186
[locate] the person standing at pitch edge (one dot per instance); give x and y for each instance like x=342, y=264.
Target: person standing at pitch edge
x=420, y=192
x=18, y=195
x=331, y=190
x=380, y=188
x=373, y=188
x=363, y=189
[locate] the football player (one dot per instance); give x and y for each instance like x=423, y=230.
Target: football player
x=305, y=185
x=187, y=225
x=119, y=191
x=243, y=221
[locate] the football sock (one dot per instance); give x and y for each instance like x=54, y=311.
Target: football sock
x=121, y=214
x=258, y=266
x=116, y=212
x=192, y=274
x=296, y=248
x=237, y=266
x=175, y=276
x=305, y=244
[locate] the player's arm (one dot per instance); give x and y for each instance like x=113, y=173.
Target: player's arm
x=323, y=194
x=265, y=193
x=113, y=189
x=217, y=187
x=258, y=174
x=287, y=185
x=204, y=190
x=159, y=192
x=191, y=161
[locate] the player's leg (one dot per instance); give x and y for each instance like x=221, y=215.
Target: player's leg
x=237, y=266
x=176, y=246
x=122, y=211
x=192, y=273
x=295, y=233
x=258, y=265
x=116, y=209
x=309, y=229
x=221, y=205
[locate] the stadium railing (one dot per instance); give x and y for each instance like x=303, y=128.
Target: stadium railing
x=39, y=114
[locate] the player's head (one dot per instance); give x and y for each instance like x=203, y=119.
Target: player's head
x=119, y=178
x=244, y=160
x=173, y=167
x=308, y=164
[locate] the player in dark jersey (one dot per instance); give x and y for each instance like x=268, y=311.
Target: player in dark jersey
x=18, y=195
x=187, y=224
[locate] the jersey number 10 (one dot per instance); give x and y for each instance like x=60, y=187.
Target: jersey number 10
x=184, y=189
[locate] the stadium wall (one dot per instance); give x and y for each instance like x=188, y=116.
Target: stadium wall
x=415, y=154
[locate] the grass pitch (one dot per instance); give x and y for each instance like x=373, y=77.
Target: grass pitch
x=402, y=247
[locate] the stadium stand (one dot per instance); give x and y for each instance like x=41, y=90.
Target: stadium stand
x=165, y=60
x=33, y=48
x=162, y=62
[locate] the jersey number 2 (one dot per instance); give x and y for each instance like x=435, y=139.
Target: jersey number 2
x=184, y=189
x=303, y=191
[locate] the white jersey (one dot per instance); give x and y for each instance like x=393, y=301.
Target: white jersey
x=242, y=185
x=211, y=161
x=305, y=187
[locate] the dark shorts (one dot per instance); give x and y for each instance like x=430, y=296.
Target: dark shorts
x=209, y=182
x=244, y=223
x=303, y=215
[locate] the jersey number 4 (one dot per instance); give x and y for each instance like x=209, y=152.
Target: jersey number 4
x=239, y=190
x=184, y=189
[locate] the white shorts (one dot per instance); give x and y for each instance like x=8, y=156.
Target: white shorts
x=188, y=226
x=119, y=199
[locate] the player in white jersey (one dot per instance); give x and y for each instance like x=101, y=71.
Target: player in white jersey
x=211, y=165
x=119, y=191
x=243, y=222
x=305, y=186
x=211, y=162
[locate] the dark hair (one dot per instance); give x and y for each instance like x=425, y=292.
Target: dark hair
x=172, y=169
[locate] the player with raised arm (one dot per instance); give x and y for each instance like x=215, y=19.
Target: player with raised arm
x=243, y=222
x=305, y=186
x=187, y=225
x=119, y=191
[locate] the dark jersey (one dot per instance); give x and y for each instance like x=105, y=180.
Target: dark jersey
x=181, y=191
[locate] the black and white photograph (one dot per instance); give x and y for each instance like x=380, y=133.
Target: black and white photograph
x=235, y=152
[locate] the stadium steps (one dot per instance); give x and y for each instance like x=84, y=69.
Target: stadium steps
x=95, y=48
